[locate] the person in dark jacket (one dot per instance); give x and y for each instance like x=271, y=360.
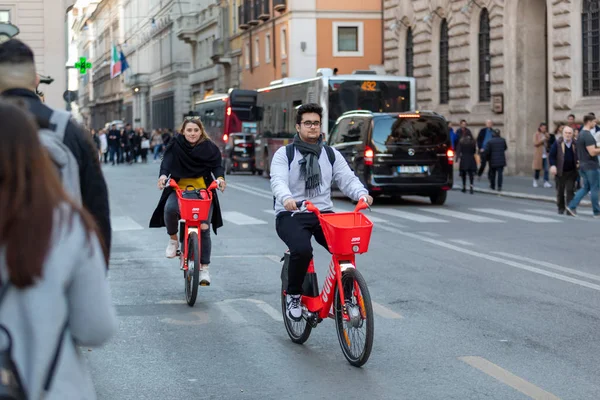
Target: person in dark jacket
x=191, y=159
x=565, y=165
x=19, y=79
x=484, y=136
x=465, y=152
x=495, y=154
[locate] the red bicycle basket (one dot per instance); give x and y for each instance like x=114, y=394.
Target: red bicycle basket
x=190, y=208
x=346, y=233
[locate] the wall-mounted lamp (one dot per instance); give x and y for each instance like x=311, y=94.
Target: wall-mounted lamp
x=465, y=8
x=429, y=16
x=394, y=25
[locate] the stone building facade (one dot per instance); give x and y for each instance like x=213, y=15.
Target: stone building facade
x=515, y=62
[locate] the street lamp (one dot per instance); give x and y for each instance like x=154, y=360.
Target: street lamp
x=7, y=31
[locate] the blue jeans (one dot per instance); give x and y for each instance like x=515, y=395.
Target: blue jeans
x=537, y=171
x=591, y=184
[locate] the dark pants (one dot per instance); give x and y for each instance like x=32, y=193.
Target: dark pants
x=493, y=172
x=172, y=223
x=483, y=163
x=463, y=175
x=296, y=232
x=114, y=154
x=566, y=182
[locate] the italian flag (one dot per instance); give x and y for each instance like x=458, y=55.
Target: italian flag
x=115, y=63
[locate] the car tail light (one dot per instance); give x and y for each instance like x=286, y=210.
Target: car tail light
x=225, y=137
x=450, y=155
x=369, y=154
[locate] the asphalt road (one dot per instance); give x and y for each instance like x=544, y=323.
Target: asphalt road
x=483, y=298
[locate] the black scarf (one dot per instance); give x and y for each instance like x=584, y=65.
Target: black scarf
x=310, y=170
x=188, y=161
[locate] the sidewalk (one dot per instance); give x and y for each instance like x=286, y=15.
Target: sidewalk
x=520, y=187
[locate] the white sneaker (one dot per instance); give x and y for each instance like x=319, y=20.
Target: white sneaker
x=535, y=184
x=294, y=309
x=204, y=276
x=171, y=251
x=547, y=184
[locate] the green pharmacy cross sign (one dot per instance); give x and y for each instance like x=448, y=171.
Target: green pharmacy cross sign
x=83, y=65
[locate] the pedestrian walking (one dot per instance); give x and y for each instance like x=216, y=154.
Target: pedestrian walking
x=589, y=168
x=495, y=153
x=564, y=164
x=484, y=136
x=540, y=155
x=465, y=153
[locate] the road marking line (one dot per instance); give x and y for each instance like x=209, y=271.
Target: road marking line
x=407, y=215
x=238, y=218
x=270, y=256
x=555, y=214
x=510, y=214
x=119, y=224
x=460, y=215
x=430, y=234
x=385, y=312
x=492, y=258
x=251, y=191
x=508, y=378
x=272, y=212
x=549, y=265
x=272, y=312
x=233, y=315
x=274, y=258
x=463, y=242
x=171, y=302
x=372, y=218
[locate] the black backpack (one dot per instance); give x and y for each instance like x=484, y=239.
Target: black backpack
x=11, y=385
x=289, y=152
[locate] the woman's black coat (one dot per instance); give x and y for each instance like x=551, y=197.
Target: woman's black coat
x=205, y=161
x=466, y=153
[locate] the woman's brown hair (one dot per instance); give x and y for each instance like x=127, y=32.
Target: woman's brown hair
x=198, y=122
x=30, y=195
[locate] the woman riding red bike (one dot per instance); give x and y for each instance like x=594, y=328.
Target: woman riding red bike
x=192, y=160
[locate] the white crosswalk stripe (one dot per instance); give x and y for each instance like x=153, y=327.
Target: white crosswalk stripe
x=460, y=215
x=238, y=218
x=407, y=215
x=515, y=215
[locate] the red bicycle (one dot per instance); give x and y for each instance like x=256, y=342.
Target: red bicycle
x=347, y=234
x=192, y=212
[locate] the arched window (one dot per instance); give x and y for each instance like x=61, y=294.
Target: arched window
x=408, y=56
x=590, y=31
x=484, y=56
x=444, y=65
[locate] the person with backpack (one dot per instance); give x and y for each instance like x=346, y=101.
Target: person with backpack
x=54, y=292
x=305, y=170
x=64, y=139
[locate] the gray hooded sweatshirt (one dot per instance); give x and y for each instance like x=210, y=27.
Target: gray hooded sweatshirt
x=74, y=287
x=286, y=184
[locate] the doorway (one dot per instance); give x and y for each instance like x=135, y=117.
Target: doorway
x=532, y=77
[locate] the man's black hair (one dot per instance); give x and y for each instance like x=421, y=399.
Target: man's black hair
x=463, y=120
x=14, y=51
x=588, y=118
x=308, y=108
x=571, y=115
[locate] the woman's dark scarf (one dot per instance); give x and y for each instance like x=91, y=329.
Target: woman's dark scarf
x=188, y=161
x=310, y=170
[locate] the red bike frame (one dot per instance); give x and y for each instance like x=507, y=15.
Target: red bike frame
x=322, y=303
x=192, y=207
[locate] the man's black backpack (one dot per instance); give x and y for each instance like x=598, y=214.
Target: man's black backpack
x=11, y=385
x=289, y=152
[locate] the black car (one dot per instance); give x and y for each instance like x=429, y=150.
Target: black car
x=239, y=153
x=397, y=154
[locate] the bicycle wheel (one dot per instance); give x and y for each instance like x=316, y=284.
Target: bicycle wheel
x=192, y=275
x=297, y=331
x=361, y=325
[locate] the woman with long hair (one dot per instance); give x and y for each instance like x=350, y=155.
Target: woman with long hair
x=191, y=159
x=54, y=295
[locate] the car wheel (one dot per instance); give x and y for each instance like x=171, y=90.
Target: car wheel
x=439, y=198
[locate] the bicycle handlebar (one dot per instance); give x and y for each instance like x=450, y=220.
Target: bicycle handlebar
x=173, y=184
x=361, y=205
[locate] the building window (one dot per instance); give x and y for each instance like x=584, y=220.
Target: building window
x=283, y=43
x=247, y=55
x=409, y=53
x=348, y=38
x=268, y=48
x=256, y=51
x=590, y=25
x=444, y=64
x=485, y=64
x=4, y=16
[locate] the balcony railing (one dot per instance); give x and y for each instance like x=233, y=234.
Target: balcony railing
x=243, y=22
x=255, y=8
x=279, y=5
x=264, y=12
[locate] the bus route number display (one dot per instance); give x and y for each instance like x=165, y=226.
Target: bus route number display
x=369, y=86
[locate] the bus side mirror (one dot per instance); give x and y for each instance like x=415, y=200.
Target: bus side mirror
x=257, y=113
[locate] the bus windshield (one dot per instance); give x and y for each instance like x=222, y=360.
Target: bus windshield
x=375, y=95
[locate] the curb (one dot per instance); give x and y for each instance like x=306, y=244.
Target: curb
x=517, y=195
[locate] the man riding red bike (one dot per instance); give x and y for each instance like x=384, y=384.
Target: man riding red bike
x=307, y=175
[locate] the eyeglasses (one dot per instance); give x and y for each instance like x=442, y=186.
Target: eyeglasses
x=308, y=124
x=192, y=118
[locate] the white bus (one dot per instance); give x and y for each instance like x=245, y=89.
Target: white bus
x=337, y=94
